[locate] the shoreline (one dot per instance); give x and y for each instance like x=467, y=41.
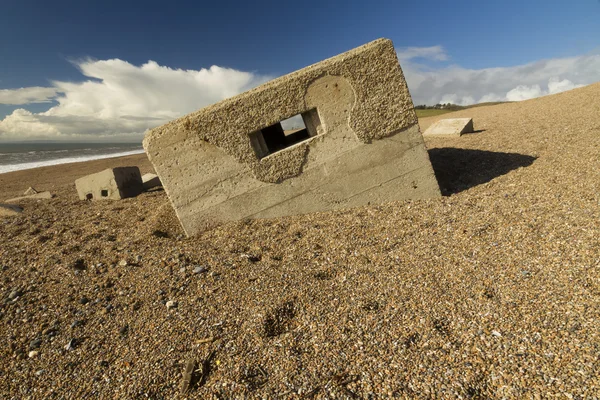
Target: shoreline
x=67, y=160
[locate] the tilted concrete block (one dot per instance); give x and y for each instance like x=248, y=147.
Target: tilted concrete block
x=38, y=195
x=150, y=181
x=450, y=127
x=30, y=191
x=361, y=145
x=110, y=184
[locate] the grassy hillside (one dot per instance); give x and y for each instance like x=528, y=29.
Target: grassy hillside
x=431, y=112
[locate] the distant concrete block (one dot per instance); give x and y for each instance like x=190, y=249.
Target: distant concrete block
x=9, y=210
x=150, y=181
x=110, y=184
x=30, y=191
x=41, y=195
x=450, y=127
x=360, y=145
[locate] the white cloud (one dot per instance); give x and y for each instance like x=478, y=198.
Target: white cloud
x=27, y=95
x=524, y=92
x=121, y=98
x=436, y=53
x=459, y=85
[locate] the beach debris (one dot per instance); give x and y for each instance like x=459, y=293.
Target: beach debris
x=186, y=378
x=110, y=184
x=9, y=210
x=195, y=377
x=206, y=340
x=30, y=191
x=38, y=196
x=150, y=181
x=450, y=127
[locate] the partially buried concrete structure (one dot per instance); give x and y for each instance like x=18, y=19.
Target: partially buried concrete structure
x=110, y=184
x=450, y=127
x=361, y=145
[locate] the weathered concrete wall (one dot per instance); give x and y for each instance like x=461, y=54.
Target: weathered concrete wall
x=363, y=145
x=110, y=184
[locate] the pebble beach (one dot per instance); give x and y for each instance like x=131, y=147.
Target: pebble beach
x=491, y=291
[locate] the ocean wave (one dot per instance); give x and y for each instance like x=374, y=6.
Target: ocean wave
x=29, y=165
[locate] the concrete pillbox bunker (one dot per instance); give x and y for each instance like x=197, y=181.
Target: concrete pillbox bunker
x=110, y=184
x=360, y=145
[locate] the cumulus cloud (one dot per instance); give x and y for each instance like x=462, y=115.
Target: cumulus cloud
x=121, y=98
x=455, y=84
x=27, y=95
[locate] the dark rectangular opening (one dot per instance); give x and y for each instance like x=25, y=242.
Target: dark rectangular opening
x=104, y=193
x=286, y=133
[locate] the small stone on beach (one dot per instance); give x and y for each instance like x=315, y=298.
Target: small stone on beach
x=171, y=304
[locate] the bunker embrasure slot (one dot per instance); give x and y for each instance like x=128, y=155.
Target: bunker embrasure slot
x=286, y=133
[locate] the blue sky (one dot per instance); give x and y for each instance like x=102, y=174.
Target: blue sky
x=58, y=58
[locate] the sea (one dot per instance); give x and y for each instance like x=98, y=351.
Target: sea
x=20, y=156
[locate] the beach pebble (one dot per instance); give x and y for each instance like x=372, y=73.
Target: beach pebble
x=33, y=353
x=14, y=294
x=71, y=345
x=200, y=270
x=76, y=323
x=496, y=334
x=123, y=263
x=84, y=300
x=49, y=331
x=35, y=343
x=171, y=304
